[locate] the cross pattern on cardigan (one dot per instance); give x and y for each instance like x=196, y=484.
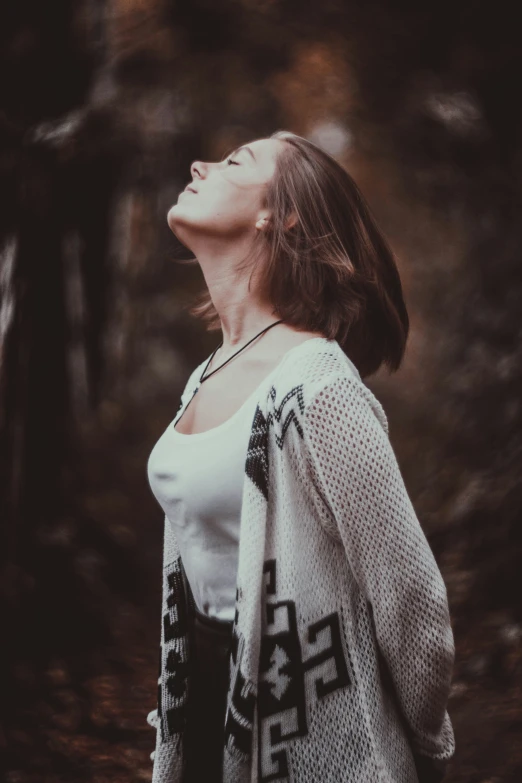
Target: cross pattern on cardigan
x=342, y=648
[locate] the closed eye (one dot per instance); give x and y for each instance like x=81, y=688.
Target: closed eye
x=232, y=162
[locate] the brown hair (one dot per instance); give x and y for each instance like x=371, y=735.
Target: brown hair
x=333, y=271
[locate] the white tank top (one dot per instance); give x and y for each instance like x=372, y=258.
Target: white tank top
x=198, y=481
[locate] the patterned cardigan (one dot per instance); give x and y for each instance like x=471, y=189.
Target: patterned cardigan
x=342, y=653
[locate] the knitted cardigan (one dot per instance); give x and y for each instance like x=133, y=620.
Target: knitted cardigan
x=342, y=648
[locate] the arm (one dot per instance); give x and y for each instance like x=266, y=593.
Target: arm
x=355, y=468
x=172, y=670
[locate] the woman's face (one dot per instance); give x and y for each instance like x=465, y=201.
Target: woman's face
x=227, y=198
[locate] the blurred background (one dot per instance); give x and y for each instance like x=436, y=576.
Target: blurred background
x=103, y=106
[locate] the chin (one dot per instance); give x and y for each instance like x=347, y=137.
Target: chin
x=178, y=226
x=172, y=217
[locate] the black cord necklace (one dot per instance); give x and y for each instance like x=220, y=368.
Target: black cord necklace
x=231, y=357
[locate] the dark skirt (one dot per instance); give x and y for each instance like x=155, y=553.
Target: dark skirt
x=204, y=732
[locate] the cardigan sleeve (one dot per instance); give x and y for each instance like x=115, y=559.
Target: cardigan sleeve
x=355, y=468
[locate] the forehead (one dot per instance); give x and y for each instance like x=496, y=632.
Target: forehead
x=265, y=150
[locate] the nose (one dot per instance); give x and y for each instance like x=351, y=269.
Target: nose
x=196, y=169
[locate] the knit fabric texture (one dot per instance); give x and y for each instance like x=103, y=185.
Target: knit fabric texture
x=343, y=651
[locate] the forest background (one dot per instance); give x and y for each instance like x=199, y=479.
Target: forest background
x=103, y=106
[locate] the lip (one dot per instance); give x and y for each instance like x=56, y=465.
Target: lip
x=190, y=188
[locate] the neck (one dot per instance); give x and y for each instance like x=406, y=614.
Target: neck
x=241, y=312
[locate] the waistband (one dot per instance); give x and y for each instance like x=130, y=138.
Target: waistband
x=216, y=624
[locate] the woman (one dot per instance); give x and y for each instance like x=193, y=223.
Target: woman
x=306, y=633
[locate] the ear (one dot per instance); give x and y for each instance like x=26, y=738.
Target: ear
x=291, y=221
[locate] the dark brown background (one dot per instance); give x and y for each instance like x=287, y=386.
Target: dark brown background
x=103, y=106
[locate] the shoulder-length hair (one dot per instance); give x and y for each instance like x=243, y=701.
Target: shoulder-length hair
x=333, y=270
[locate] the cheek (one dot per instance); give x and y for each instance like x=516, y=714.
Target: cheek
x=214, y=211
